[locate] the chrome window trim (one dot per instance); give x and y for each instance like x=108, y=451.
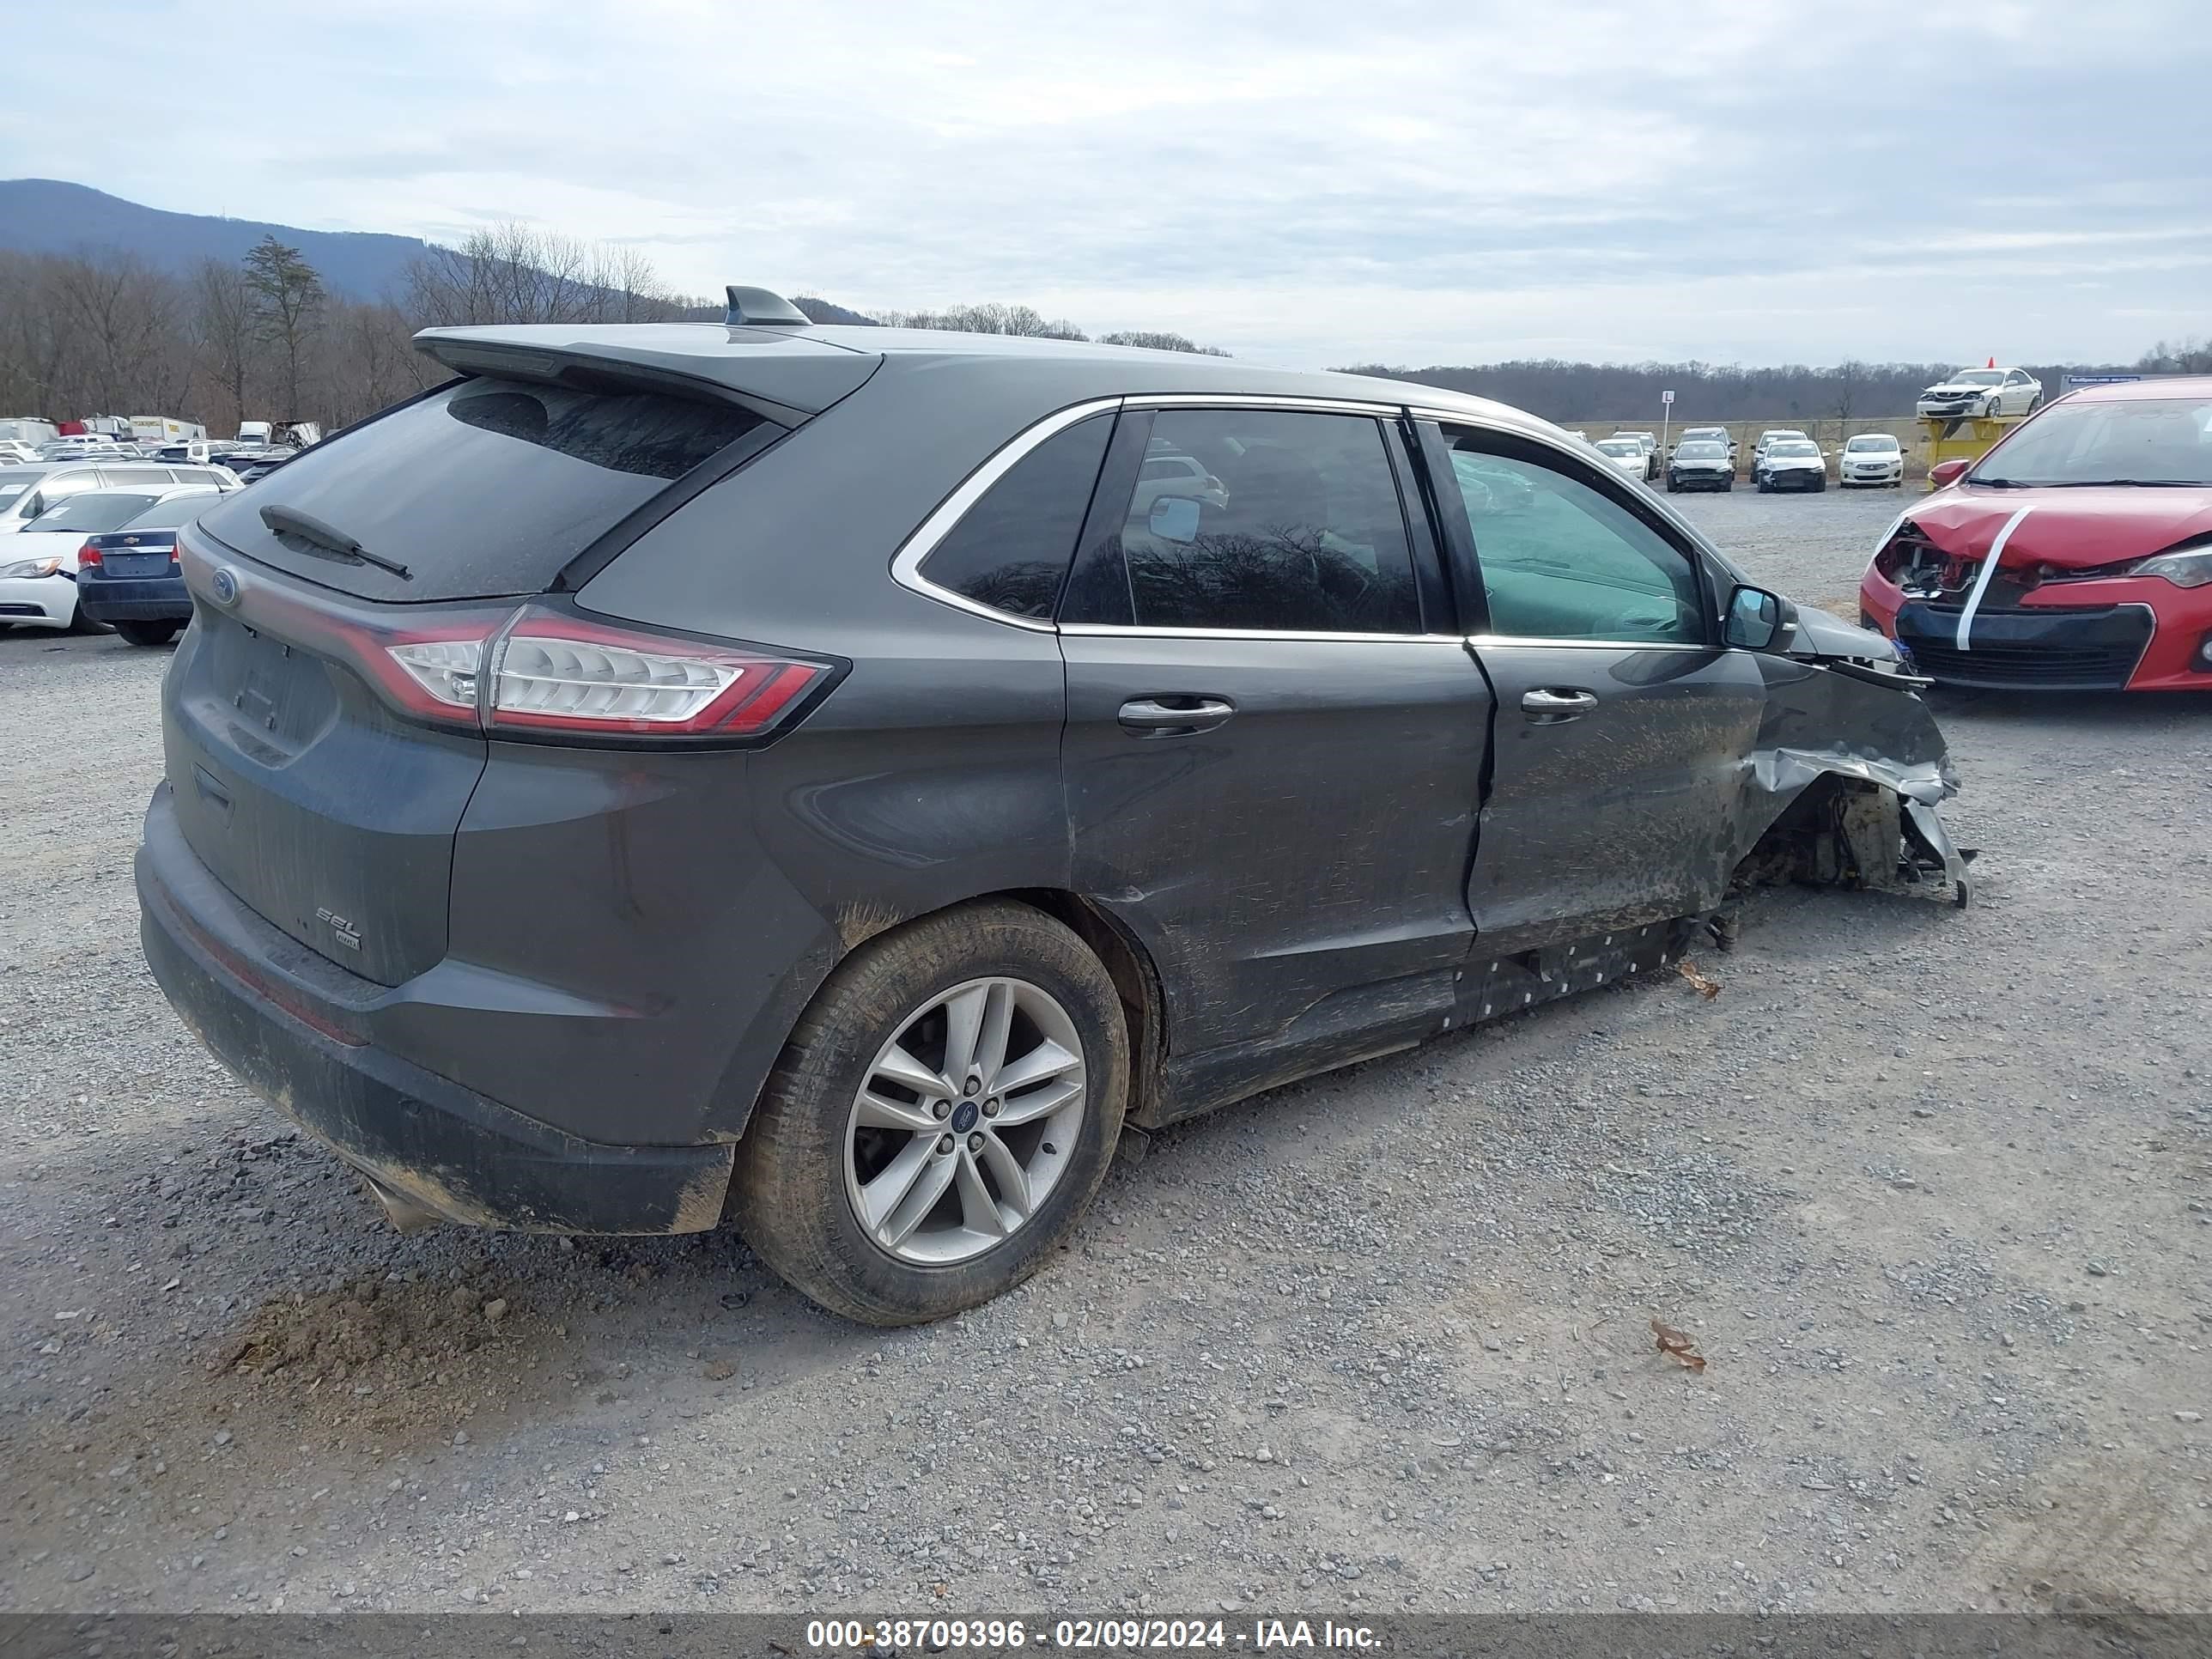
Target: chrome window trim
x=1479, y=642
x=1122, y=630
x=905, y=563
x=1257, y=400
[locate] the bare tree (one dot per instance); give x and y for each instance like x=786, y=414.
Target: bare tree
x=994, y=319
x=1159, y=340
x=514, y=273
x=224, y=329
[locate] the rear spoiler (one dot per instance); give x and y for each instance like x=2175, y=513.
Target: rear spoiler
x=789, y=378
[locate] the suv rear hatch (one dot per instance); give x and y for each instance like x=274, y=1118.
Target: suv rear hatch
x=326, y=716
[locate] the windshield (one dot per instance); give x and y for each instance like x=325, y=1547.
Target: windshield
x=1620, y=447
x=1702, y=451
x=1774, y=437
x=1976, y=377
x=1859, y=445
x=1783, y=450
x=2143, y=441
x=91, y=513
x=1703, y=434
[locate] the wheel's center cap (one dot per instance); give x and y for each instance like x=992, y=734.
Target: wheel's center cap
x=964, y=1117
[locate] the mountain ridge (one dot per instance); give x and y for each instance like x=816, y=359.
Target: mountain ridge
x=55, y=216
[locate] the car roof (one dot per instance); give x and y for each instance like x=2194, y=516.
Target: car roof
x=811, y=367
x=2130, y=391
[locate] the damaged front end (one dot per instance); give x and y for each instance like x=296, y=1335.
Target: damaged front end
x=1848, y=771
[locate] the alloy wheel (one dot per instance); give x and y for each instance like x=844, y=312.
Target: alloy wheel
x=966, y=1121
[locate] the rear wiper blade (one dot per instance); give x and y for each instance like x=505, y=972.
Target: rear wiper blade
x=290, y=521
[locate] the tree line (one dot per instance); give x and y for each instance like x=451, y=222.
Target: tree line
x=1571, y=393
x=106, y=333
x=102, y=332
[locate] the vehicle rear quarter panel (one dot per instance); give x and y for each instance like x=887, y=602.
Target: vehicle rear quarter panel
x=929, y=775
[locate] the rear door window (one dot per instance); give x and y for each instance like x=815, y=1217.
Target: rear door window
x=1266, y=520
x=1010, y=550
x=487, y=486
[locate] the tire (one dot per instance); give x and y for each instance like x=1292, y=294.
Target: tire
x=1760, y=485
x=2035, y=402
x=1820, y=484
x=1673, y=489
x=806, y=1154
x=147, y=633
x=81, y=623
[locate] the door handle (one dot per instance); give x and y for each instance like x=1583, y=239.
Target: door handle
x=1554, y=707
x=1175, y=715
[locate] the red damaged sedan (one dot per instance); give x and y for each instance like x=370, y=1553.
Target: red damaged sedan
x=2075, y=555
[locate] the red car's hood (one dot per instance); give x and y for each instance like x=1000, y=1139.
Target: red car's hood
x=2070, y=529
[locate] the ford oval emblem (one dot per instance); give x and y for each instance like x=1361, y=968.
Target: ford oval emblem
x=224, y=584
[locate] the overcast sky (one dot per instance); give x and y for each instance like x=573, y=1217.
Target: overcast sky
x=1314, y=184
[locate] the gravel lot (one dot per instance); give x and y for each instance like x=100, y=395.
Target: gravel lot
x=1929, y=1187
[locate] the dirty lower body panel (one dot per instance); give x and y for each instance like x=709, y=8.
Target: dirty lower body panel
x=427, y=1144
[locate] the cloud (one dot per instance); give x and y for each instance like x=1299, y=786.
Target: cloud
x=1298, y=181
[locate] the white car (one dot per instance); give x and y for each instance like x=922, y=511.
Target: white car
x=1626, y=453
x=1872, y=457
x=1980, y=393
x=1790, y=464
x=1768, y=439
x=27, y=491
x=38, y=565
x=1652, y=459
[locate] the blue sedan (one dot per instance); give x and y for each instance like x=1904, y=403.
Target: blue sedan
x=129, y=578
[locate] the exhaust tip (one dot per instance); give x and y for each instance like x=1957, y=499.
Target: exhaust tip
x=404, y=1214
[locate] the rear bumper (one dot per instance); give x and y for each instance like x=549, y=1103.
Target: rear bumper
x=248, y=992
x=128, y=599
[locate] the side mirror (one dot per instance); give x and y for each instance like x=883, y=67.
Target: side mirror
x=1173, y=518
x=1756, y=619
x=1944, y=474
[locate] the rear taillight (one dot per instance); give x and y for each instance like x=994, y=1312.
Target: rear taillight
x=86, y=555
x=559, y=672
x=551, y=672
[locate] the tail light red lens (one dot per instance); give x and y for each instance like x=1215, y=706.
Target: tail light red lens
x=86, y=555
x=560, y=673
x=549, y=671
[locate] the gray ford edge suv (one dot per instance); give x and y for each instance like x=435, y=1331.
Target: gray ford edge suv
x=825, y=775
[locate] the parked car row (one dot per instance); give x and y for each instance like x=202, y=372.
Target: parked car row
x=1783, y=459
x=103, y=557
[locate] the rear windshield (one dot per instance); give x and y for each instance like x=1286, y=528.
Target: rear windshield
x=177, y=510
x=91, y=513
x=486, y=487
